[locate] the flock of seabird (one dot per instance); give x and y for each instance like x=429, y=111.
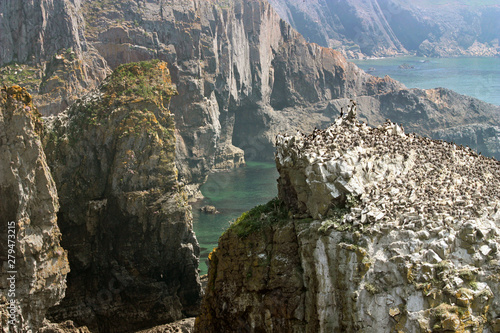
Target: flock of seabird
x=446, y=182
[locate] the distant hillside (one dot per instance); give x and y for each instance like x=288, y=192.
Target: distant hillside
x=360, y=28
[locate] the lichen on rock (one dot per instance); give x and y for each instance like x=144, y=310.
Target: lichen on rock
x=386, y=231
x=34, y=264
x=124, y=215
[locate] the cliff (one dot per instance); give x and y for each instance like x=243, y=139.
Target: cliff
x=42, y=47
x=124, y=215
x=374, y=230
x=376, y=28
x=34, y=265
x=242, y=73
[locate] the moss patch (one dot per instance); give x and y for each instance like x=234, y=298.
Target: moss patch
x=336, y=215
x=20, y=74
x=133, y=86
x=273, y=212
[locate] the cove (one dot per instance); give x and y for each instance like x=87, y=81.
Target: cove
x=232, y=192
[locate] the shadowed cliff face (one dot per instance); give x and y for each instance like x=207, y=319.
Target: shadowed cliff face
x=360, y=28
x=124, y=216
x=244, y=75
x=34, y=265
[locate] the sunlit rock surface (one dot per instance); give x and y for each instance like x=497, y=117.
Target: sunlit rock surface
x=242, y=73
x=34, y=265
x=377, y=231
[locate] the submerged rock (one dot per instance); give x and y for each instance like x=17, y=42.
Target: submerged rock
x=406, y=66
x=34, y=265
x=375, y=230
x=209, y=209
x=124, y=215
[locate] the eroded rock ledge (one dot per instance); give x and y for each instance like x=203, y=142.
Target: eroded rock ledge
x=377, y=231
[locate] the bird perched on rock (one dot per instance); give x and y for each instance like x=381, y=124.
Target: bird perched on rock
x=352, y=112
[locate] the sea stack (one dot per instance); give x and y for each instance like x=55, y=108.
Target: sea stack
x=374, y=230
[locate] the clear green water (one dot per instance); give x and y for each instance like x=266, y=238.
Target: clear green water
x=232, y=193
x=476, y=77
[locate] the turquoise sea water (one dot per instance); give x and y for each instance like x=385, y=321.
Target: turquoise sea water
x=232, y=193
x=236, y=191
x=476, y=77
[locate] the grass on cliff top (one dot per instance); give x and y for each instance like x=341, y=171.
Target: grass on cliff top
x=21, y=74
x=146, y=79
x=129, y=85
x=260, y=216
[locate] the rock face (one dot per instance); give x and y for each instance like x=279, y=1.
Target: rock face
x=47, y=36
x=374, y=230
x=386, y=28
x=34, y=265
x=124, y=215
x=426, y=112
x=243, y=74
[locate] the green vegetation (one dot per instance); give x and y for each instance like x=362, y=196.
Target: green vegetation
x=273, y=212
x=337, y=213
x=143, y=84
x=466, y=274
x=146, y=79
x=18, y=74
x=69, y=54
x=456, y=317
x=371, y=288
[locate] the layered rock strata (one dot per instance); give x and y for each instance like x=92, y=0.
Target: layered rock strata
x=34, y=265
x=124, y=215
x=375, y=230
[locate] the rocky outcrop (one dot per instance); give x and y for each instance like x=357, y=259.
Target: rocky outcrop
x=124, y=215
x=53, y=25
x=426, y=112
x=181, y=326
x=374, y=230
x=65, y=327
x=387, y=28
x=34, y=264
x=485, y=138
